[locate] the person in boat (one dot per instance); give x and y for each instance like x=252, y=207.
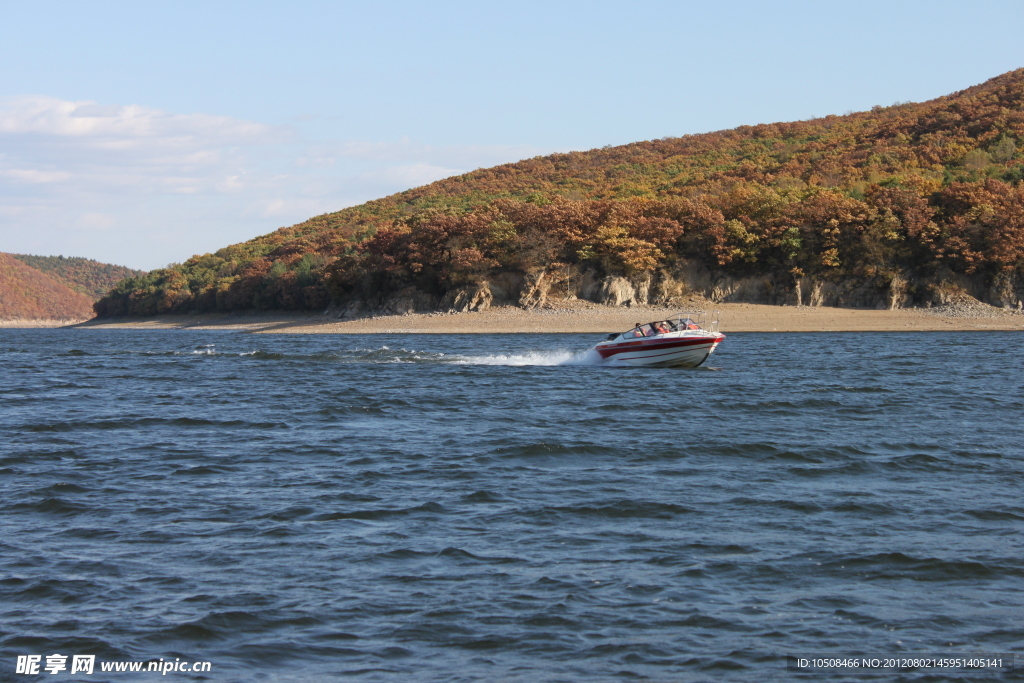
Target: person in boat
x=637, y=331
x=660, y=328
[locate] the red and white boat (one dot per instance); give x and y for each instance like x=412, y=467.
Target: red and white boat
x=679, y=342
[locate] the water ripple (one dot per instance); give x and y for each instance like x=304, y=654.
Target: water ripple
x=487, y=507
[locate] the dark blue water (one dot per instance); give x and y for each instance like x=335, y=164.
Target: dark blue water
x=485, y=508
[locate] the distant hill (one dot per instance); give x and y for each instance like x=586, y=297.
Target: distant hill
x=88, y=277
x=897, y=205
x=29, y=294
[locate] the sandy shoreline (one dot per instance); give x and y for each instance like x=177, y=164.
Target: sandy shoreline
x=31, y=324
x=582, y=317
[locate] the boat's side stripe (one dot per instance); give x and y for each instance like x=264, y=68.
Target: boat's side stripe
x=665, y=344
x=655, y=355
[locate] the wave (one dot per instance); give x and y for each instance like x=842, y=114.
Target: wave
x=136, y=423
x=51, y=505
x=899, y=565
x=626, y=508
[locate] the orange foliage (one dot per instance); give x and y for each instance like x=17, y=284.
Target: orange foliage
x=913, y=188
x=28, y=294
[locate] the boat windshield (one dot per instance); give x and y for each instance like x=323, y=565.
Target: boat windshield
x=650, y=329
x=659, y=327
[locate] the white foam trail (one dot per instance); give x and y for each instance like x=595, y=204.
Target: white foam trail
x=541, y=358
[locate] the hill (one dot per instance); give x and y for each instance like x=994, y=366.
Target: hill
x=915, y=202
x=88, y=277
x=28, y=294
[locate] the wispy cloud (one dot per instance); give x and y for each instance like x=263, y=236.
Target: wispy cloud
x=122, y=124
x=144, y=187
x=30, y=175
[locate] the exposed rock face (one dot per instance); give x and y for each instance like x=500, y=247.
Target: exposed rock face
x=586, y=285
x=671, y=286
x=535, y=288
x=898, y=292
x=1004, y=290
x=408, y=300
x=867, y=293
x=642, y=285
x=694, y=279
x=1007, y=290
x=616, y=291
x=470, y=298
x=506, y=287
x=667, y=289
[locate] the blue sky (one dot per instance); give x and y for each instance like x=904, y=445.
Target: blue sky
x=143, y=133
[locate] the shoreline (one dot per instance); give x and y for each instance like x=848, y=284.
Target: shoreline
x=41, y=323
x=581, y=317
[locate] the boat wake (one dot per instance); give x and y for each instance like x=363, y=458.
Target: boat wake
x=537, y=358
x=389, y=355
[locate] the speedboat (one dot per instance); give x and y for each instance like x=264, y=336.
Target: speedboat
x=678, y=342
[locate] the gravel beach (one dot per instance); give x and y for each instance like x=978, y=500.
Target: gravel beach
x=583, y=316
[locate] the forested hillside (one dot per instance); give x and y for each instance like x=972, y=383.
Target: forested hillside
x=895, y=205
x=28, y=294
x=88, y=277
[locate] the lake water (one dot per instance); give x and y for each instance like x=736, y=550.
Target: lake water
x=499, y=508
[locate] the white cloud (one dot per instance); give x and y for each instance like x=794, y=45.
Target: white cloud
x=29, y=175
x=122, y=124
x=143, y=187
x=139, y=149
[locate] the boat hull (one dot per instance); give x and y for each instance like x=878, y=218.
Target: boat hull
x=669, y=352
